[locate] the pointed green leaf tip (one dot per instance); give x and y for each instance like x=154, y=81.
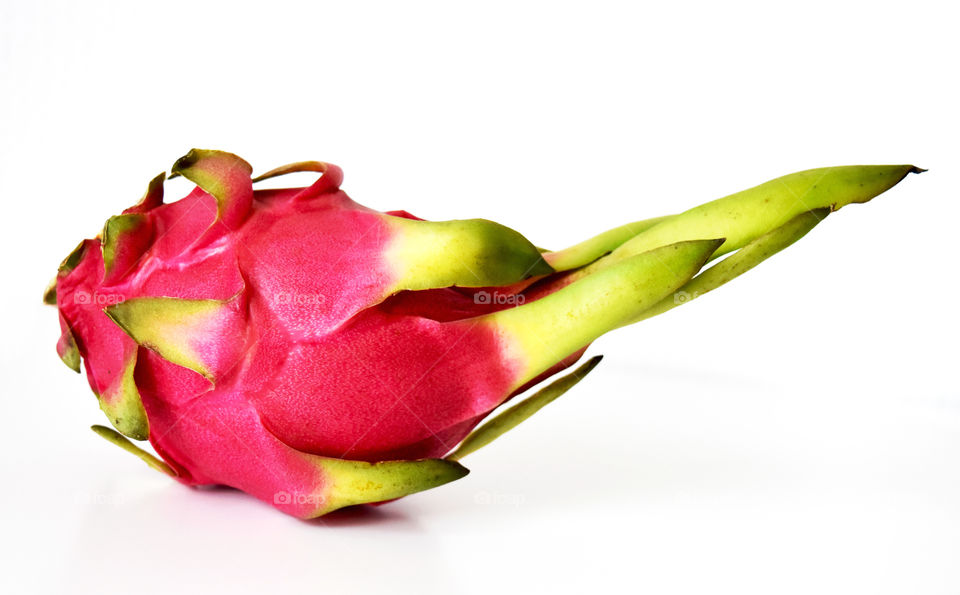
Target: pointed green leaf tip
x=739, y=262
x=174, y=328
x=746, y=215
x=222, y=175
x=73, y=259
x=463, y=253
x=50, y=293
x=358, y=482
x=118, y=439
x=512, y=417
x=66, y=265
x=330, y=180
x=124, y=240
x=68, y=351
x=152, y=198
x=122, y=405
x=543, y=332
x=590, y=250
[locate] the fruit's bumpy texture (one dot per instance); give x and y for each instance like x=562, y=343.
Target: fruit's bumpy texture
x=316, y=353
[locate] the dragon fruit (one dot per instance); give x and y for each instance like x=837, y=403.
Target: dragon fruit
x=316, y=354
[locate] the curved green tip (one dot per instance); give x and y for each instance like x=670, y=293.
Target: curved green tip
x=50, y=293
x=738, y=263
x=743, y=216
x=114, y=437
x=331, y=178
x=68, y=351
x=463, y=253
x=348, y=483
x=590, y=250
x=73, y=259
x=189, y=160
x=122, y=405
x=224, y=176
x=123, y=241
x=67, y=347
x=540, y=333
x=152, y=198
x=512, y=417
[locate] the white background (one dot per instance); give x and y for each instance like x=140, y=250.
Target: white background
x=797, y=431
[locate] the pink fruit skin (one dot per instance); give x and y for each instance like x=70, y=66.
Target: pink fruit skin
x=312, y=358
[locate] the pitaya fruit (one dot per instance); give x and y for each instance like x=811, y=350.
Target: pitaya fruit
x=317, y=354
